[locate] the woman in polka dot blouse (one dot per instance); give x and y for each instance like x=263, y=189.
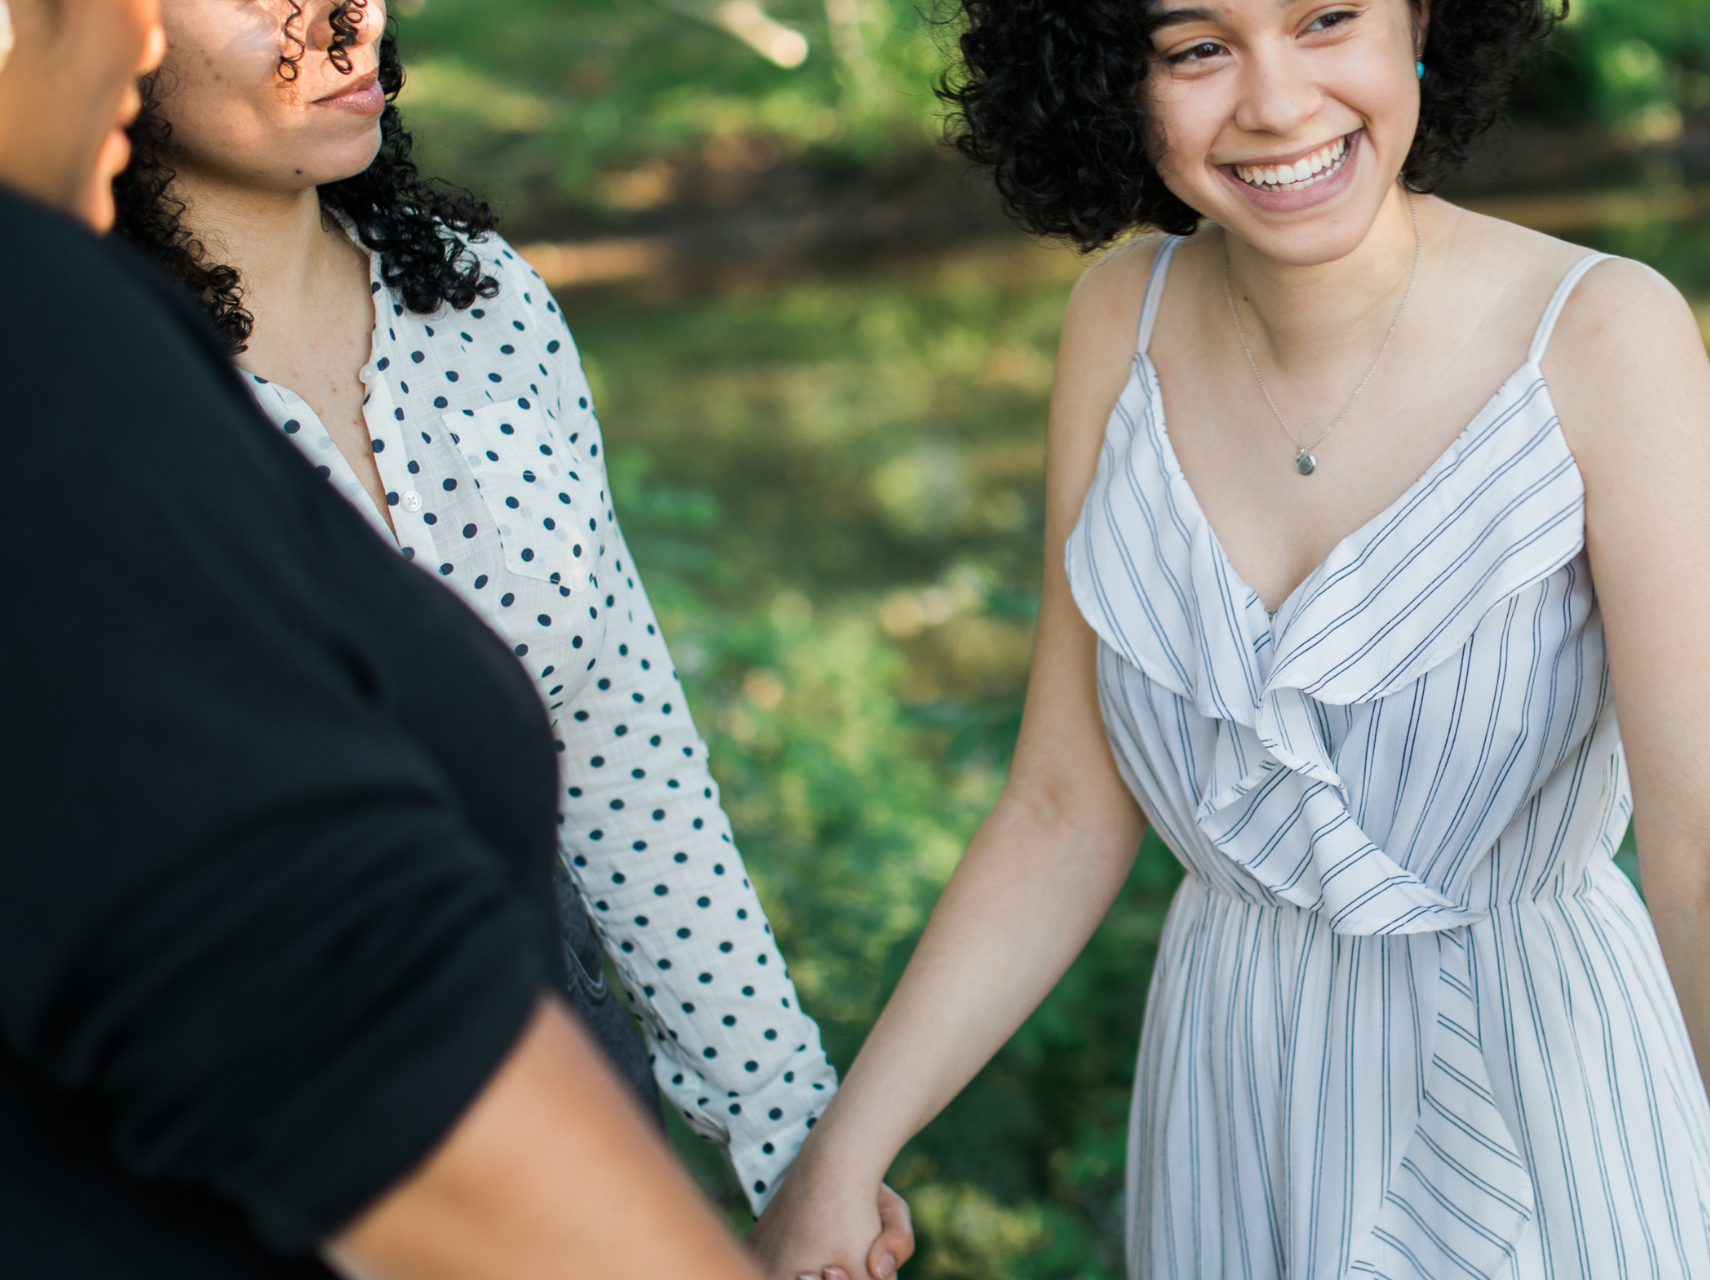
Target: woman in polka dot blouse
x=429, y=376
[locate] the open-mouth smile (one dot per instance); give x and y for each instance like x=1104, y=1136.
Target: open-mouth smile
x=1308, y=171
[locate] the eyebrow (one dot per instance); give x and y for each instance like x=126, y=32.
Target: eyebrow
x=1175, y=17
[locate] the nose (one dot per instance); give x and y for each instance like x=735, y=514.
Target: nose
x=1278, y=91
x=346, y=24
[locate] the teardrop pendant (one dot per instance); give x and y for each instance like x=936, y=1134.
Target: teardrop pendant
x=1304, y=462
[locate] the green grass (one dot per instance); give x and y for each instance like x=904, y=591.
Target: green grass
x=834, y=489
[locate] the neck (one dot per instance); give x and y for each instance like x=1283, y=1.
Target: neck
x=284, y=249
x=1308, y=316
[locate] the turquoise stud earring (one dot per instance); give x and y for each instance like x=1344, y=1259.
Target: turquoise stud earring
x=1419, y=68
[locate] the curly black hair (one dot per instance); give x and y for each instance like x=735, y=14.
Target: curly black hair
x=420, y=228
x=1047, y=95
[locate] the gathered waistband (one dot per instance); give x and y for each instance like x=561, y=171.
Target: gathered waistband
x=1595, y=885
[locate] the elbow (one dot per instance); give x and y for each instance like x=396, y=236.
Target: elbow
x=1062, y=810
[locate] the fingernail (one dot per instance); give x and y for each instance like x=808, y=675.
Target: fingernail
x=887, y=1266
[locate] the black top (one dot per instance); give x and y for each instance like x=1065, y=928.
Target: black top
x=277, y=812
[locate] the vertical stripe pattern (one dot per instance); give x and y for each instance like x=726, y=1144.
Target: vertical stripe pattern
x=1404, y=1022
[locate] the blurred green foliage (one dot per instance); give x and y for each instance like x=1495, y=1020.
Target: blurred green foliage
x=610, y=107
x=835, y=494
x=1642, y=66
x=572, y=99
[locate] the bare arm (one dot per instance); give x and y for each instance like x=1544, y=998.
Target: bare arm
x=551, y=1175
x=1036, y=879
x=1628, y=373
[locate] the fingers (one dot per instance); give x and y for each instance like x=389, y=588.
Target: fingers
x=895, y=1244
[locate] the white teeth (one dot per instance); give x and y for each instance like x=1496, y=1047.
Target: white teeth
x=1301, y=171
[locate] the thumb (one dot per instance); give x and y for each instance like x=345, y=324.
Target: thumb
x=895, y=1244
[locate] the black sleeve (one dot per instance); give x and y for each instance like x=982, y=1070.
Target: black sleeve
x=245, y=916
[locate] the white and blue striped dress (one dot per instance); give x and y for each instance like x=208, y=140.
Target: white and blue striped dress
x=1406, y=1020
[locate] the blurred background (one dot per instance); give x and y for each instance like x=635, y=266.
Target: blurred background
x=822, y=358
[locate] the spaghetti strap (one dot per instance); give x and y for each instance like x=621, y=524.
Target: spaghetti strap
x=1155, y=290
x=1553, y=312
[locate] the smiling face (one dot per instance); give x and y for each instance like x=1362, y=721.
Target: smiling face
x=1285, y=121
x=237, y=119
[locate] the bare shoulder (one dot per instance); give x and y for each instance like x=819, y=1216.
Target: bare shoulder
x=1626, y=340
x=1626, y=362
x=1622, y=305
x=1483, y=236
x=1094, y=357
x=1104, y=308
x=1100, y=327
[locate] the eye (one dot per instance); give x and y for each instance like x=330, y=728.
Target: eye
x=1330, y=21
x=1204, y=51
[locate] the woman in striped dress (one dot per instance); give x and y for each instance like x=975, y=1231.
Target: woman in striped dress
x=1367, y=517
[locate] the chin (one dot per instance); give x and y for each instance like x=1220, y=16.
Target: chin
x=1312, y=242
x=330, y=164
x=98, y=208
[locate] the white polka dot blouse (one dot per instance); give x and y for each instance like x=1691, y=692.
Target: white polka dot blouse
x=484, y=433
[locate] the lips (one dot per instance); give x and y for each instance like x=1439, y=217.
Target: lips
x=1301, y=174
x=363, y=96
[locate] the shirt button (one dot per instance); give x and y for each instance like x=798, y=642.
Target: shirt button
x=412, y=501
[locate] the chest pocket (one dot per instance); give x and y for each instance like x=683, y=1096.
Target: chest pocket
x=540, y=492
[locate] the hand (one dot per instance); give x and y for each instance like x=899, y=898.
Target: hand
x=817, y=1229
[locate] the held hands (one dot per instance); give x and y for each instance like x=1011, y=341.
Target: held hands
x=821, y=1227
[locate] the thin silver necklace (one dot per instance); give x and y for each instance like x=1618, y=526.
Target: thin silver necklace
x=1304, y=461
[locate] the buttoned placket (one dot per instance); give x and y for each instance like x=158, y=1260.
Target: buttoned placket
x=405, y=501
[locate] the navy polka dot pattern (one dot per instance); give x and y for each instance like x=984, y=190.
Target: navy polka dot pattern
x=486, y=440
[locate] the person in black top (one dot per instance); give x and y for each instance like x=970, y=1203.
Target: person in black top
x=276, y=918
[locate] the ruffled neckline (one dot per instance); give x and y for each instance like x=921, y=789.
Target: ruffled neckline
x=1308, y=642
x=1500, y=509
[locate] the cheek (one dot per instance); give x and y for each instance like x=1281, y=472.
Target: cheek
x=217, y=95
x=1184, y=119
x=1374, y=76
x=144, y=13
x=1385, y=96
